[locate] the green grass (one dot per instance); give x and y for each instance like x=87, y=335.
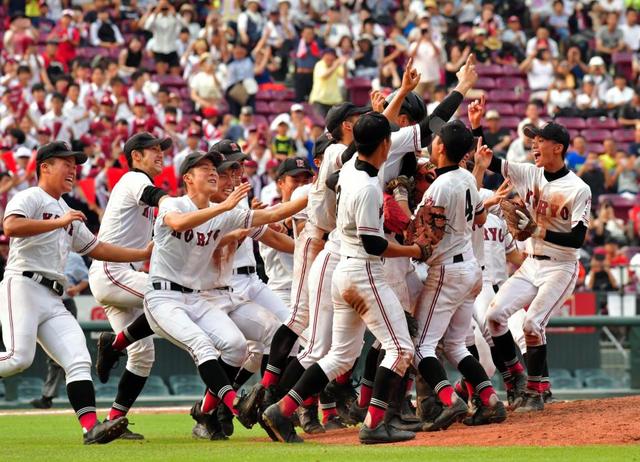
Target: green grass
x=51, y=438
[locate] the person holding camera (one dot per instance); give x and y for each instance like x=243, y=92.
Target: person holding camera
x=165, y=25
x=426, y=60
x=540, y=71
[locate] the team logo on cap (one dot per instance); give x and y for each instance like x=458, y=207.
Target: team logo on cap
x=300, y=163
x=234, y=146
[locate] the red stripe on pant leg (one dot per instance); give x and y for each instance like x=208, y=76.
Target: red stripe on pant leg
x=431, y=309
x=302, y=274
x=312, y=339
x=384, y=315
x=119, y=284
x=13, y=342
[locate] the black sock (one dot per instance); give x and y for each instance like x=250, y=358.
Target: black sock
x=474, y=351
x=241, y=378
x=536, y=357
x=129, y=388
x=231, y=371
x=263, y=364
x=506, y=346
x=433, y=373
x=213, y=376
x=386, y=383
x=311, y=383
x=82, y=397
x=291, y=375
x=281, y=345
x=473, y=371
x=370, y=367
x=545, y=369
x=138, y=329
x=497, y=360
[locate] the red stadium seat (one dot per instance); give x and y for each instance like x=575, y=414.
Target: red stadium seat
x=576, y=123
x=601, y=122
x=263, y=107
x=595, y=147
x=489, y=70
x=510, y=122
x=596, y=136
x=504, y=96
x=278, y=107
x=504, y=109
x=511, y=83
x=359, y=89
x=284, y=95
x=485, y=83
x=621, y=205
x=264, y=95
x=170, y=81
x=624, y=135
x=260, y=120
x=623, y=61
x=508, y=70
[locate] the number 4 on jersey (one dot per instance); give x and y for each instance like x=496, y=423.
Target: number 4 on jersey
x=468, y=206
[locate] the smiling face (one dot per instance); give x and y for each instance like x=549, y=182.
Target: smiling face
x=226, y=183
x=58, y=174
x=289, y=183
x=202, y=178
x=545, y=152
x=149, y=160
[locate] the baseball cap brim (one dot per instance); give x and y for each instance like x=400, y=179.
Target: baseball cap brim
x=193, y=159
x=81, y=157
x=227, y=165
x=531, y=132
x=164, y=143
x=296, y=171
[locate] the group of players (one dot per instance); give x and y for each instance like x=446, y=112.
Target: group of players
x=339, y=261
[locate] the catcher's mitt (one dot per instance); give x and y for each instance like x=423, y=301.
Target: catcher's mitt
x=509, y=208
x=395, y=219
x=401, y=181
x=426, y=229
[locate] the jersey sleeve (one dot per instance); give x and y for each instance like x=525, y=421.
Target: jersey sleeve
x=137, y=184
x=257, y=232
x=368, y=212
x=407, y=139
x=235, y=219
x=24, y=204
x=83, y=240
x=581, y=212
x=167, y=206
x=521, y=175
x=476, y=200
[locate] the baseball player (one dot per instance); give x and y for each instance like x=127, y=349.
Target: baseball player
x=559, y=203
x=179, y=302
x=445, y=306
x=359, y=292
x=43, y=230
x=119, y=288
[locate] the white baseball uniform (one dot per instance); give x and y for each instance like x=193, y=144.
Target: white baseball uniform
x=548, y=276
x=31, y=312
x=445, y=306
x=120, y=287
x=361, y=296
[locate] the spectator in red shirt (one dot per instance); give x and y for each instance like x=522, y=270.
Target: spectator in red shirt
x=68, y=39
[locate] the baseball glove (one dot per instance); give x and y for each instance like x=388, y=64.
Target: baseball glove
x=401, y=181
x=426, y=229
x=512, y=209
x=395, y=219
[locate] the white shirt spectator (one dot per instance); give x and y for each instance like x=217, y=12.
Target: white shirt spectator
x=426, y=61
x=337, y=31
x=269, y=194
x=540, y=76
x=618, y=97
x=77, y=116
x=631, y=36
x=59, y=125
x=166, y=30
x=551, y=44
x=612, y=5
x=517, y=152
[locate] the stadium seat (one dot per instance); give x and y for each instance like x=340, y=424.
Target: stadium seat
x=189, y=389
x=155, y=390
x=485, y=83
x=511, y=83
x=279, y=107
x=621, y=205
x=260, y=120
x=29, y=392
x=561, y=383
x=601, y=382
x=264, y=95
x=623, y=62
x=624, y=135
x=585, y=373
x=489, y=70
x=519, y=109
x=511, y=70
x=284, y=95
x=358, y=89
x=182, y=379
x=504, y=109
x=263, y=107
x=557, y=373
x=505, y=96
x=595, y=147
x=30, y=382
x=155, y=380
x=630, y=251
x=510, y=122
x=596, y=135
x=601, y=122
x=104, y=390
x=577, y=123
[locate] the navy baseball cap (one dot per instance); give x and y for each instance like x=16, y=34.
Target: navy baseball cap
x=340, y=112
x=143, y=140
x=455, y=136
x=551, y=131
x=230, y=149
x=322, y=143
x=192, y=160
x=59, y=149
x=293, y=166
x=371, y=129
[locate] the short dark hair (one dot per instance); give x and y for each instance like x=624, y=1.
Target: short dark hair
x=136, y=75
x=57, y=95
x=23, y=68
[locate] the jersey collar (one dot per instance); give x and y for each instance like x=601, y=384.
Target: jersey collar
x=140, y=171
x=448, y=168
x=366, y=167
x=550, y=176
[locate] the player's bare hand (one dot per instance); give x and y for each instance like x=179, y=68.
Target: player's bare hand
x=256, y=204
x=483, y=155
x=500, y=194
x=73, y=291
x=467, y=75
x=278, y=228
x=410, y=78
x=475, y=112
x=71, y=216
x=236, y=196
x=377, y=101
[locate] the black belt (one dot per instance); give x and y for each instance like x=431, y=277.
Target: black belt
x=539, y=257
x=50, y=284
x=245, y=270
x=172, y=286
x=458, y=258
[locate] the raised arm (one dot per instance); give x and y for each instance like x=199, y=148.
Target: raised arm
x=18, y=226
x=279, y=212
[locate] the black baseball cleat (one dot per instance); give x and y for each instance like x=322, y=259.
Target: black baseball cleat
x=335, y=422
x=270, y=397
x=518, y=390
x=127, y=434
x=107, y=431
x=344, y=396
x=429, y=408
x=548, y=397
x=495, y=412
x=107, y=356
x=309, y=421
x=225, y=417
x=449, y=415
x=43, y=402
x=532, y=402
x=248, y=405
x=281, y=426
x=357, y=414
x=383, y=433
x=207, y=425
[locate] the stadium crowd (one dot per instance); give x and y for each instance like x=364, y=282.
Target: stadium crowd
x=264, y=74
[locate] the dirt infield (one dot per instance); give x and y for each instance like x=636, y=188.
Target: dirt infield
x=602, y=421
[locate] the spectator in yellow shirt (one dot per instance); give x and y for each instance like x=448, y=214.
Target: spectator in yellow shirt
x=282, y=145
x=326, y=77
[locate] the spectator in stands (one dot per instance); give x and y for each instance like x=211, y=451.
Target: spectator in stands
x=479, y=47
x=609, y=39
x=365, y=59
x=206, y=90
x=457, y=56
x=608, y=157
x=327, y=76
x=577, y=153
x=67, y=38
x=426, y=60
x=595, y=175
x=104, y=33
x=307, y=54
x=56, y=121
x=241, y=86
x=542, y=40
x=559, y=21
x=607, y=228
x=629, y=114
x=250, y=24
x=618, y=95
x=130, y=58
x=19, y=35
x=602, y=80
x=559, y=97
x=496, y=137
x=600, y=278
x=335, y=27
x=532, y=113
x=189, y=17
x=282, y=144
x=576, y=64
x=540, y=72
x=165, y=25
x=76, y=112
x=634, y=148
x=520, y=149
x=192, y=144
x=631, y=30
x=515, y=36
x=624, y=180
x=393, y=59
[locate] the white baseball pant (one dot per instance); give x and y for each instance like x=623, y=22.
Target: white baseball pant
x=363, y=300
x=120, y=290
x=445, y=309
x=31, y=313
x=544, y=285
